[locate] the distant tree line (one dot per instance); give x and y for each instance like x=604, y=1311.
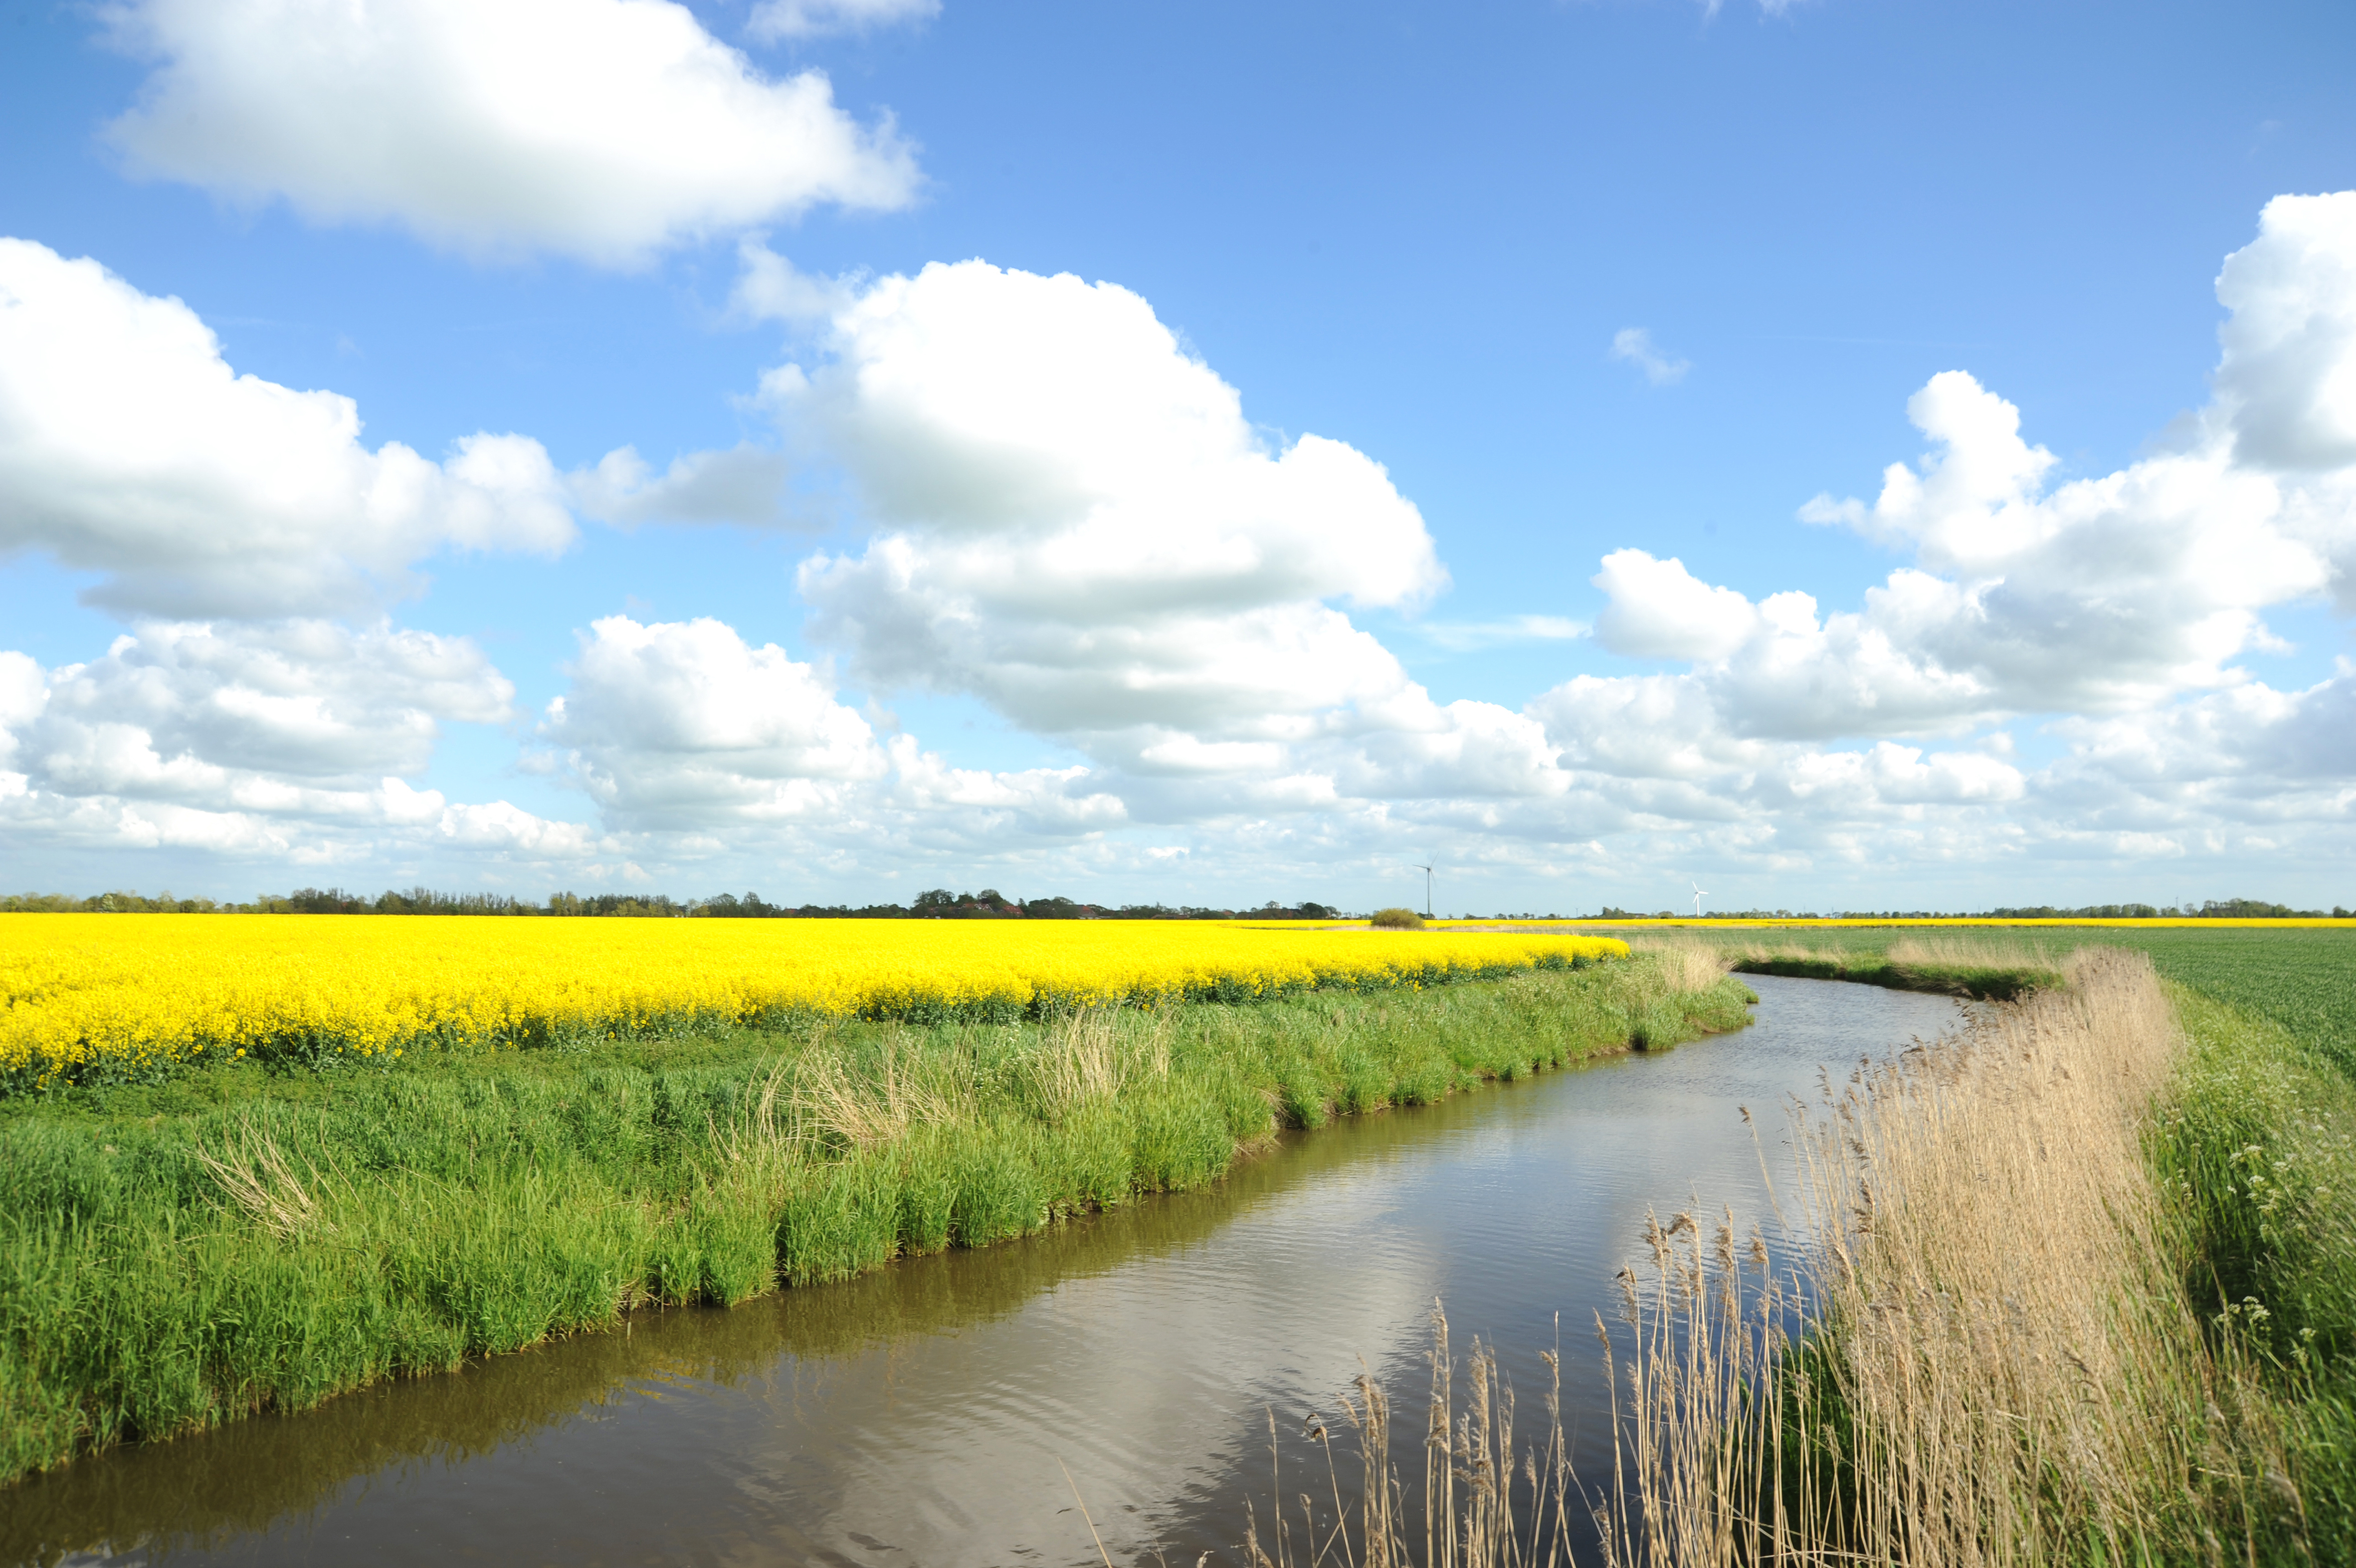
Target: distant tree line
x=935, y=904
x=108, y=903
x=2214, y=909
x=940, y=904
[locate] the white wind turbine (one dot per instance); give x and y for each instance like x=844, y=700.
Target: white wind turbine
x=1701, y=893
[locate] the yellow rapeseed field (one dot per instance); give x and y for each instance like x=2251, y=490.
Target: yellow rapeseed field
x=98, y=997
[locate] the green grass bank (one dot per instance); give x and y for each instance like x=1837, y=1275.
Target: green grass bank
x=175, y=1256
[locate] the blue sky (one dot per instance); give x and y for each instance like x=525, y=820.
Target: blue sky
x=1413, y=234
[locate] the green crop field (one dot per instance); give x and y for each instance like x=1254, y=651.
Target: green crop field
x=2303, y=979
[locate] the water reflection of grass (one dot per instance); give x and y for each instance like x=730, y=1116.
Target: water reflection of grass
x=251, y=1475
x=175, y=1257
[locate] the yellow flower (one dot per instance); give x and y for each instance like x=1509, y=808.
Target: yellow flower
x=77, y=989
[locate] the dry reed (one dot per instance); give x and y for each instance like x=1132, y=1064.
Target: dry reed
x=256, y=1175
x=1481, y=1507
x=2002, y=1366
x=834, y=1103
x=1954, y=951
x=1685, y=962
x=759, y=1139
x=1086, y=1055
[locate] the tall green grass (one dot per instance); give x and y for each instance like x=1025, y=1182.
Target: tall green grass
x=173, y=1257
x=2257, y=1144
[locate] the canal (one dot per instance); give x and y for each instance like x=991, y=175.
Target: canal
x=930, y=1413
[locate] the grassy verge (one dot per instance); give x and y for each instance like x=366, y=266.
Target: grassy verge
x=1986, y=966
x=2256, y=1145
x=2302, y=979
x=1995, y=970
x=176, y=1255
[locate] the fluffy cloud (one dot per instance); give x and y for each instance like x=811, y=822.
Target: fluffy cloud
x=2252, y=754
x=2287, y=386
x=508, y=831
x=1050, y=802
x=1659, y=610
x=1080, y=527
x=1658, y=751
x=683, y=732
x=128, y=446
x=601, y=129
x=2101, y=594
x=694, y=743
x=1412, y=748
x=230, y=716
x=23, y=693
x=1644, y=728
x=683, y=726
x=291, y=740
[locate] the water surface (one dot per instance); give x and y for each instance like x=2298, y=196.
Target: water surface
x=926, y=1414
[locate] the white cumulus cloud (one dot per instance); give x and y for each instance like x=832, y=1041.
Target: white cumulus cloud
x=1660, y=610
x=1077, y=524
x=130, y=448
x=2287, y=385
x=1032, y=802
x=305, y=715
x=686, y=735
x=600, y=129
x=293, y=740
x=1080, y=526
x=685, y=725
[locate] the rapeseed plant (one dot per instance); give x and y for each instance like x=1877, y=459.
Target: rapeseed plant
x=124, y=998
